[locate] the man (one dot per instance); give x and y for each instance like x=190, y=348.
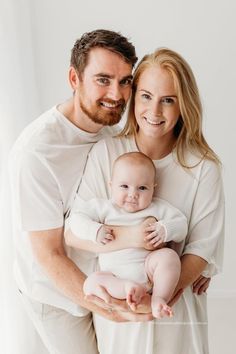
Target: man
x=47, y=162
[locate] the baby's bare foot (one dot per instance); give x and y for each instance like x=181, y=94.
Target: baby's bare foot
x=134, y=294
x=160, y=308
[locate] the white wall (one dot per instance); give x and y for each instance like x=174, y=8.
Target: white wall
x=202, y=31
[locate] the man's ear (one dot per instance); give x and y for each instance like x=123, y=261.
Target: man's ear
x=73, y=78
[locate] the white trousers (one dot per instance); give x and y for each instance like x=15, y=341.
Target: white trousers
x=61, y=332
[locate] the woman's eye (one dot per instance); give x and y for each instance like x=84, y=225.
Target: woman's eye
x=168, y=100
x=143, y=188
x=146, y=96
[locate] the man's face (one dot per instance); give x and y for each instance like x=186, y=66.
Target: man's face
x=104, y=87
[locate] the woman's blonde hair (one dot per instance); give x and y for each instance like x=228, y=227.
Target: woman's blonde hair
x=188, y=130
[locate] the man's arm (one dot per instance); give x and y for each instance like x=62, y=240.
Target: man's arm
x=48, y=249
x=125, y=237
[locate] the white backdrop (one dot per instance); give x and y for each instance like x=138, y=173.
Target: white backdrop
x=36, y=38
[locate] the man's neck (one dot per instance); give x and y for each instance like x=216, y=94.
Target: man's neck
x=74, y=114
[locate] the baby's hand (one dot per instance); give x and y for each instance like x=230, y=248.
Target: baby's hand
x=105, y=235
x=157, y=233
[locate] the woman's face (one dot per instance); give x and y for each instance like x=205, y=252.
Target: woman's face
x=156, y=103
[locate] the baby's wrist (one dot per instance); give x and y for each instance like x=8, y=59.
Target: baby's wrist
x=100, y=234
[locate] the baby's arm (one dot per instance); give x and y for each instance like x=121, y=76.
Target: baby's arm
x=171, y=225
x=105, y=235
x=157, y=233
x=84, y=220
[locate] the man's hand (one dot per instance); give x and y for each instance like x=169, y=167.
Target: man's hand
x=119, y=310
x=201, y=285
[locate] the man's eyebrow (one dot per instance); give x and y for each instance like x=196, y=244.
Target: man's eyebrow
x=107, y=76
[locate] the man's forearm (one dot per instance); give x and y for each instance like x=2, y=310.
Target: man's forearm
x=125, y=237
x=69, y=280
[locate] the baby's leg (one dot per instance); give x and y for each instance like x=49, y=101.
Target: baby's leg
x=115, y=287
x=163, y=268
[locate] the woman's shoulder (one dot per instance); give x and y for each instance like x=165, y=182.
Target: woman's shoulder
x=203, y=165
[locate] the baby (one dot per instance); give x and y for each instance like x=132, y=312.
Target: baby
x=129, y=273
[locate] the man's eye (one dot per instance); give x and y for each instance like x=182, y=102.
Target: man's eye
x=143, y=188
x=124, y=186
x=103, y=81
x=168, y=101
x=126, y=82
x=146, y=96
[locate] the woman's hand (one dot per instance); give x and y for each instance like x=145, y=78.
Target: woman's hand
x=201, y=285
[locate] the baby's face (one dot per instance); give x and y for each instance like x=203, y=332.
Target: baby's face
x=132, y=186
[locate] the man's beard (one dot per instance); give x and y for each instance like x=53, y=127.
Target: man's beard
x=101, y=115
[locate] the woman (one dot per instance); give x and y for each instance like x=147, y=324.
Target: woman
x=165, y=123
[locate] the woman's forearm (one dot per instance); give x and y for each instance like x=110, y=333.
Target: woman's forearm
x=191, y=268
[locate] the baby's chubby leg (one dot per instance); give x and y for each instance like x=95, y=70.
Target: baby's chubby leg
x=163, y=268
x=115, y=287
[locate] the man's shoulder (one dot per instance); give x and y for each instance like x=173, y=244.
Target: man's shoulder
x=37, y=131
x=112, y=131
x=115, y=145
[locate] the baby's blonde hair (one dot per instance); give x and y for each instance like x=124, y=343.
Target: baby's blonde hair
x=136, y=158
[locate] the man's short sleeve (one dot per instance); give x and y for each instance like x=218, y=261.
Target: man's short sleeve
x=36, y=197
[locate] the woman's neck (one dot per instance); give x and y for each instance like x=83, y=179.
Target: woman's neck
x=155, y=148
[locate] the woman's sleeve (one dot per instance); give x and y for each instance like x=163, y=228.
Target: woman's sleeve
x=206, y=228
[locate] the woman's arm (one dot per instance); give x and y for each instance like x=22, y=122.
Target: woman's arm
x=203, y=250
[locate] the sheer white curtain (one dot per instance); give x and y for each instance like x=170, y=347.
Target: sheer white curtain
x=18, y=105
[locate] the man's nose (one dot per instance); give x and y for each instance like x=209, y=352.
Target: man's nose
x=115, y=93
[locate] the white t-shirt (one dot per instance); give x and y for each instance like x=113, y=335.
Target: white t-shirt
x=46, y=165
x=87, y=217
x=198, y=193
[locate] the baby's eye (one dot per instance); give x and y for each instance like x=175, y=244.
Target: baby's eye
x=124, y=186
x=143, y=188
